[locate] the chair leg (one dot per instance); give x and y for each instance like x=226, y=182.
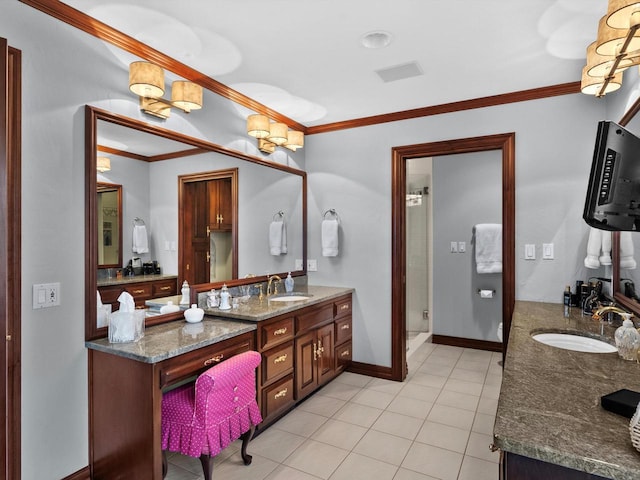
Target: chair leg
x=165, y=466
x=246, y=438
x=207, y=466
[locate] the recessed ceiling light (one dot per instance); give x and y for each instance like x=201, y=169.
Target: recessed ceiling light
x=377, y=39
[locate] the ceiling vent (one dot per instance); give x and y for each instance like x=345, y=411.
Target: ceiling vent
x=400, y=72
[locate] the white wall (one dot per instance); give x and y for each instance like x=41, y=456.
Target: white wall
x=350, y=170
x=467, y=190
x=62, y=70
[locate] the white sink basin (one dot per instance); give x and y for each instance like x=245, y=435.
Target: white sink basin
x=575, y=342
x=289, y=298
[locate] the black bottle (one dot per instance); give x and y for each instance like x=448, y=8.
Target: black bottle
x=567, y=300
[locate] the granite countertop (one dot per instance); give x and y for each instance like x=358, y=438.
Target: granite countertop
x=105, y=282
x=549, y=407
x=255, y=310
x=168, y=340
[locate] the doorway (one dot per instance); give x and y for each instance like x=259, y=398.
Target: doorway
x=505, y=143
x=10, y=257
x=419, y=273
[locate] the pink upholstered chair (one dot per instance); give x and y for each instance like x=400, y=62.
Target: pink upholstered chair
x=201, y=420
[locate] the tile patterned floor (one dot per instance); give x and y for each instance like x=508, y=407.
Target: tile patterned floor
x=437, y=424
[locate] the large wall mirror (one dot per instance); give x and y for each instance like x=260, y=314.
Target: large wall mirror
x=626, y=245
x=147, y=163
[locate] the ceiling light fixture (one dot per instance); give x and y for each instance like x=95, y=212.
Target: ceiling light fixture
x=103, y=164
x=376, y=39
x=273, y=134
x=617, y=47
x=147, y=81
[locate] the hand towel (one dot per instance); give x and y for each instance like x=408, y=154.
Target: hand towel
x=488, y=241
x=330, y=238
x=277, y=238
x=594, y=244
x=140, y=240
x=605, y=257
x=626, y=251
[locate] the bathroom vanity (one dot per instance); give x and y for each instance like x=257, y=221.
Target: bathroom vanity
x=549, y=423
x=141, y=288
x=304, y=344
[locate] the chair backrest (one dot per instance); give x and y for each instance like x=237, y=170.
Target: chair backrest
x=226, y=388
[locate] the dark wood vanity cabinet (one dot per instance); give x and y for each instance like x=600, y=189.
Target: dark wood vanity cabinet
x=140, y=291
x=518, y=467
x=299, y=354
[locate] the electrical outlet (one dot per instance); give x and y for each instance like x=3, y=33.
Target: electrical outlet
x=312, y=265
x=530, y=251
x=46, y=295
x=462, y=247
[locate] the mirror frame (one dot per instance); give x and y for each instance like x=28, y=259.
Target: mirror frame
x=618, y=294
x=102, y=187
x=92, y=115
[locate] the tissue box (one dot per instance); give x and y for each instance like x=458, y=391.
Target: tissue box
x=126, y=326
x=104, y=313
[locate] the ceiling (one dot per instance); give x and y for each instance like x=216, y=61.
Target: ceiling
x=305, y=60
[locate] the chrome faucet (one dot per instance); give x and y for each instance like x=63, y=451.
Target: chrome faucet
x=604, y=310
x=275, y=286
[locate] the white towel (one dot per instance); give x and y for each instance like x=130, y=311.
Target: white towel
x=626, y=251
x=140, y=240
x=488, y=239
x=330, y=238
x=277, y=238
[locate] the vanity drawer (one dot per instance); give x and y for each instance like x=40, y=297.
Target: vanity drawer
x=314, y=318
x=343, y=355
x=277, y=362
x=343, y=330
x=278, y=397
x=275, y=333
x=140, y=290
x=164, y=288
x=196, y=362
x=342, y=307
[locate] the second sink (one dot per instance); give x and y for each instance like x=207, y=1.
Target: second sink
x=574, y=341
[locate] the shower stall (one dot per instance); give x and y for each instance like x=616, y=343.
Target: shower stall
x=418, y=251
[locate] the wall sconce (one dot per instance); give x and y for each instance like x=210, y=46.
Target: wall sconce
x=273, y=134
x=103, y=164
x=147, y=81
x=617, y=47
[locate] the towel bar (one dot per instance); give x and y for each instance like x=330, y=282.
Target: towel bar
x=278, y=214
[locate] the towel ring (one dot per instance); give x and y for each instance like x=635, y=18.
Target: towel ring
x=138, y=222
x=278, y=214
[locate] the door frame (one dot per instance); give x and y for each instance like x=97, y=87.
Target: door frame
x=10, y=256
x=506, y=144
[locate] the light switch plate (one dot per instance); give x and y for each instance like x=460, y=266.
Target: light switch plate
x=312, y=265
x=454, y=247
x=529, y=251
x=547, y=251
x=298, y=264
x=46, y=295
x=462, y=247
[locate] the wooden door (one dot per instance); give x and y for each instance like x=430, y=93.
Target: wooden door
x=10, y=255
x=326, y=355
x=220, y=204
x=306, y=369
x=196, y=233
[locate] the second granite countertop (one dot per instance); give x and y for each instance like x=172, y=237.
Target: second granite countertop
x=549, y=407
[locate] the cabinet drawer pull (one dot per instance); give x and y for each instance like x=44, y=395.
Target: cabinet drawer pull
x=280, y=331
x=137, y=292
x=345, y=327
x=344, y=307
x=168, y=287
x=281, y=393
x=281, y=358
x=345, y=353
x=215, y=359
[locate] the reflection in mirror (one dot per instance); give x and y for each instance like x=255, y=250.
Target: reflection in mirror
x=109, y=225
x=147, y=161
x=626, y=273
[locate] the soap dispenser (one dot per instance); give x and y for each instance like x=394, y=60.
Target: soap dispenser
x=224, y=298
x=288, y=283
x=212, y=298
x=185, y=293
x=627, y=339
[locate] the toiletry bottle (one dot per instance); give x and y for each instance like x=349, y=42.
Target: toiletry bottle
x=591, y=303
x=185, y=293
x=224, y=298
x=577, y=296
x=627, y=339
x=567, y=300
x=288, y=283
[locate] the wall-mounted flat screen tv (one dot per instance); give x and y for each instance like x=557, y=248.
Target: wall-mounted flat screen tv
x=613, y=194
